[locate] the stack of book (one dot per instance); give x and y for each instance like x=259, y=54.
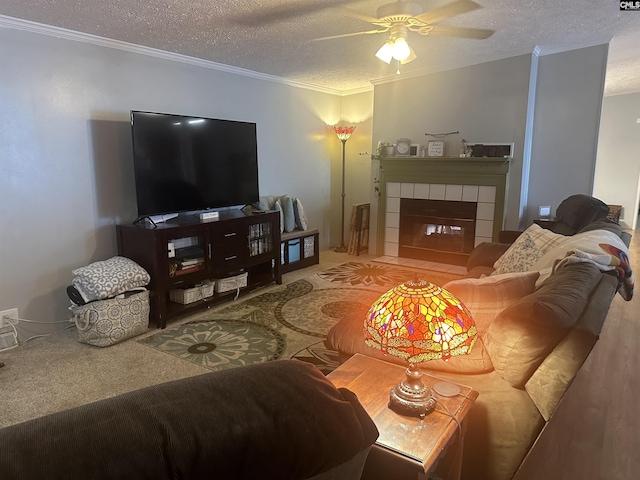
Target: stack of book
x=182, y=266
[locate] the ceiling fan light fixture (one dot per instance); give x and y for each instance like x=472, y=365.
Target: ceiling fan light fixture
x=385, y=53
x=401, y=50
x=412, y=56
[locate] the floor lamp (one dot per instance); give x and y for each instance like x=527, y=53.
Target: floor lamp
x=343, y=134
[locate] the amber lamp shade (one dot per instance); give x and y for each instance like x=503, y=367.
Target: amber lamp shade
x=417, y=322
x=343, y=133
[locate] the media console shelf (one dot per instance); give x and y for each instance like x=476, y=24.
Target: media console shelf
x=189, y=251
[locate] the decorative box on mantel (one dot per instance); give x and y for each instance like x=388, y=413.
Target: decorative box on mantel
x=479, y=180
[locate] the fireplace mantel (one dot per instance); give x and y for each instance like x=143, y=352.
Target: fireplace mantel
x=444, y=171
x=443, y=167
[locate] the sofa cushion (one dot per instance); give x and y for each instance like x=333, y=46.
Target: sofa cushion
x=551, y=379
x=523, y=334
x=488, y=296
x=502, y=426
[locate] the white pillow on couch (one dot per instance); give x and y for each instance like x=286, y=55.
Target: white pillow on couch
x=534, y=242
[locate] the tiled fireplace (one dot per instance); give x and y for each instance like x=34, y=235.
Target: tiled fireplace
x=439, y=229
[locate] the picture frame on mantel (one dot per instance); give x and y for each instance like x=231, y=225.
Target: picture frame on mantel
x=435, y=148
x=491, y=150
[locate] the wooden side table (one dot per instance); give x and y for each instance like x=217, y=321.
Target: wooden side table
x=407, y=448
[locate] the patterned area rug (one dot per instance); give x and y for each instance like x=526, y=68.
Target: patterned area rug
x=287, y=321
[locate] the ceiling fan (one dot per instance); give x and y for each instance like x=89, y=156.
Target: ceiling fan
x=401, y=17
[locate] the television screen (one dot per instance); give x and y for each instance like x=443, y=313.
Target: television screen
x=185, y=163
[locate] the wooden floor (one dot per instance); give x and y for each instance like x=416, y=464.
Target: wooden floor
x=595, y=433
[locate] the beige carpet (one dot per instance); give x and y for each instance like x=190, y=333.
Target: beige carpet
x=57, y=372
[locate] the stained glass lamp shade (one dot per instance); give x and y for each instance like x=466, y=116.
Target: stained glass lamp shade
x=343, y=133
x=417, y=322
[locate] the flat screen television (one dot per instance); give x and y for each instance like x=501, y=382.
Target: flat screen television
x=185, y=163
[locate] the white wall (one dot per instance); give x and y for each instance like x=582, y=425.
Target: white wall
x=65, y=145
x=618, y=162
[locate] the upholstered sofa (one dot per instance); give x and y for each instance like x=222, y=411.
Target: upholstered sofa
x=280, y=419
x=538, y=317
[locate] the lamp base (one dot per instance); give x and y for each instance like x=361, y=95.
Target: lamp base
x=412, y=397
x=341, y=249
x=411, y=408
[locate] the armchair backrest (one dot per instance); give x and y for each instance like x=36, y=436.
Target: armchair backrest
x=282, y=419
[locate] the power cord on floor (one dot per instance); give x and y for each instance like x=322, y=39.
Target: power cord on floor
x=448, y=412
x=10, y=321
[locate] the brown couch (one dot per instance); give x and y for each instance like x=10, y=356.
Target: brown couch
x=280, y=419
x=532, y=341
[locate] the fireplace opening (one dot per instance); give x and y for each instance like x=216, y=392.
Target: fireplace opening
x=437, y=230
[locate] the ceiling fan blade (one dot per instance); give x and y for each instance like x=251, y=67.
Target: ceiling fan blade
x=367, y=32
x=447, y=11
x=444, y=31
x=361, y=16
x=285, y=11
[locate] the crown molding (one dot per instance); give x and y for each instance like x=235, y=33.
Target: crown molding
x=550, y=50
x=438, y=69
x=58, y=32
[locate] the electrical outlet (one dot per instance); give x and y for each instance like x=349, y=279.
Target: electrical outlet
x=12, y=314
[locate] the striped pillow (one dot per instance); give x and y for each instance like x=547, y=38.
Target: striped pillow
x=544, y=239
x=532, y=244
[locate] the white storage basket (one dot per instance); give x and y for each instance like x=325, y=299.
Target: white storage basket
x=105, y=322
x=194, y=294
x=232, y=283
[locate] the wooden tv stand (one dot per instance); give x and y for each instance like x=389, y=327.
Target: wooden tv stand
x=182, y=253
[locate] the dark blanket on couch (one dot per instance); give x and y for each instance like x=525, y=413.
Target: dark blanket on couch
x=281, y=420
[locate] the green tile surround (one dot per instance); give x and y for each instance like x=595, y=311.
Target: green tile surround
x=447, y=171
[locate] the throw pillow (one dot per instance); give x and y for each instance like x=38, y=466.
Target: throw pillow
x=488, y=296
x=299, y=214
x=278, y=208
x=289, y=217
x=544, y=239
x=266, y=203
x=519, y=257
x=108, y=278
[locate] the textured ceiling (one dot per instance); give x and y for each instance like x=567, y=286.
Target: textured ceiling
x=276, y=37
